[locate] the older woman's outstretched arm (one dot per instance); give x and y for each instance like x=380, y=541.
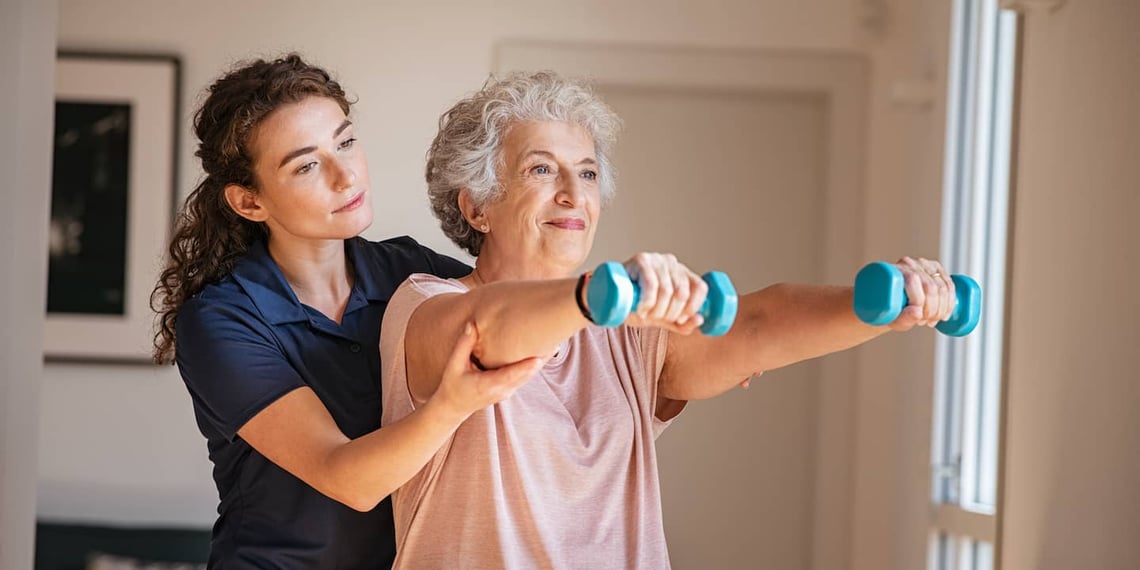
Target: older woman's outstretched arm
x=787, y=323
x=516, y=320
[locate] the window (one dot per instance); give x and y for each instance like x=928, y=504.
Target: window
x=964, y=474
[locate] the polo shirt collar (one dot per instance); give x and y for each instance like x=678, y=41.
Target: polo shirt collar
x=258, y=274
x=367, y=275
x=263, y=281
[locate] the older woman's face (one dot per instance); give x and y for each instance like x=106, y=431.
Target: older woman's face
x=549, y=210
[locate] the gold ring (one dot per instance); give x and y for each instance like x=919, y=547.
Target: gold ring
x=936, y=275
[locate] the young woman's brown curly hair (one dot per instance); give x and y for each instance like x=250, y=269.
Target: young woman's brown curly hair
x=208, y=236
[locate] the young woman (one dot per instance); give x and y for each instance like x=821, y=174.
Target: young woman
x=271, y=307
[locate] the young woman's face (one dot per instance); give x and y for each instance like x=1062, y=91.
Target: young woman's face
x=312, y=175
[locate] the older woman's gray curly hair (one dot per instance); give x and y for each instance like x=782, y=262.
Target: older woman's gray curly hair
x=466, y=151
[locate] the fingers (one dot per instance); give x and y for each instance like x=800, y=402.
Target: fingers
x=669, y=309
x=665, y=290
x=916, y=290
x=468, y=389
x=939, y=305
x=946, y=288
x=503, y=381
x=748, y=381
x=640, y=270
x=698, y=292
x=930, y=293
x=670, y=294
x=688, y=293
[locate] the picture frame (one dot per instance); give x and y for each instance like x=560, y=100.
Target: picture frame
x=114, y=188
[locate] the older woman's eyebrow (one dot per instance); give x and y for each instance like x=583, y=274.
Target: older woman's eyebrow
x=529, y=153
x=308, y=149
x=550, y=155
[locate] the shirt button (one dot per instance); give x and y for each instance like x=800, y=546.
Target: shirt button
x=354, y=348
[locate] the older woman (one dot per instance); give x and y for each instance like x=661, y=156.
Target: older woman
x=564, y=472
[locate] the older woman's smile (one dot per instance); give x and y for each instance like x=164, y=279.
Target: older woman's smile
x=568, y=223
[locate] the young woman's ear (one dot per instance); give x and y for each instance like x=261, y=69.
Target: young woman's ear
x=245, y=203
x=474, y=215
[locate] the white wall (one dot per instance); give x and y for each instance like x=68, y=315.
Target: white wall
x=1073, y=441
x=27, y=54
x=119, y=443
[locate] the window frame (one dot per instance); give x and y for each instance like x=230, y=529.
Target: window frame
x=970, y=372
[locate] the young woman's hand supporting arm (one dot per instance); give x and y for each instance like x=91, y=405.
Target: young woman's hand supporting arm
x=297, y=433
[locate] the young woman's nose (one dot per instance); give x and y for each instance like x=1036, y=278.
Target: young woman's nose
x=342, y=173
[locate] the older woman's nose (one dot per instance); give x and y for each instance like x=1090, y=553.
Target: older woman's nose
x=571, y=190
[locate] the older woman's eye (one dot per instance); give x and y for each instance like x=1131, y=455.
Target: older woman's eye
x=589, y=175
x=541, y=169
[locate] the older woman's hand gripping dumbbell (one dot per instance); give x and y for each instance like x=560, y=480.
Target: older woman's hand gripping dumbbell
x=611, y=296
x=880, y=295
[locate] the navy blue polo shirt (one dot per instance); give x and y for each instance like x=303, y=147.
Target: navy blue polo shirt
x=246, y=341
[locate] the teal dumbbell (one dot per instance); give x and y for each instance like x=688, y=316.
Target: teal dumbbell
x=612, y=296
x=880, y=295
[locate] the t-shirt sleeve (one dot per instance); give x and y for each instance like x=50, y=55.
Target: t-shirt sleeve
x=231, y=363
x=653, y=343
x=397, y=399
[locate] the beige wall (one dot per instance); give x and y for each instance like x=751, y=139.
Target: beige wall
x=1073, y=442
x=27, y=51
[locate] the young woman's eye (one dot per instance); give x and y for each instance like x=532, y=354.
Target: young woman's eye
x=305, y=168
x=348, y=143
x=589, y=175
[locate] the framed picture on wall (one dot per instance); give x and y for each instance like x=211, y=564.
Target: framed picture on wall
x=112, y=202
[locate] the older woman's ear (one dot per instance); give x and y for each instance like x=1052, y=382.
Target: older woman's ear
x=472, y=213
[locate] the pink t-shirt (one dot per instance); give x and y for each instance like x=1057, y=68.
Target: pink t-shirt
x=561, y=474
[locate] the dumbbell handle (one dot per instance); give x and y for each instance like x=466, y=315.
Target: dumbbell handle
x=612, y=296
x=880, y=295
